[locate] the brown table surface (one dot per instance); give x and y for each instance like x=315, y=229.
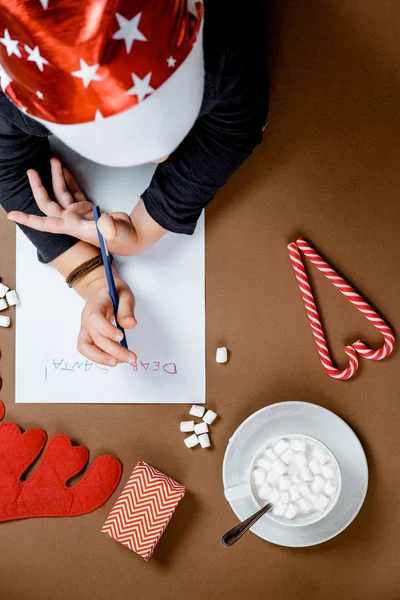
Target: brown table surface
x=328, y=169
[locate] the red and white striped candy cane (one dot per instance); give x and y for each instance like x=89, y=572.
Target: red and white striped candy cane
x=313, y=316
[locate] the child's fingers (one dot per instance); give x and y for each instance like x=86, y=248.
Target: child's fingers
x=123, y=355
x=47, y=206
x=87, y=348
x=49, y=224
x=61, y=193
x=107, y=227
x=104, y=327
x=74, y=188
x=126, y=309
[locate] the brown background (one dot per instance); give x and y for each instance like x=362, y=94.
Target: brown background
x=329, y=169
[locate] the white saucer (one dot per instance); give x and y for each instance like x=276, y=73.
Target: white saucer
x=308, y=419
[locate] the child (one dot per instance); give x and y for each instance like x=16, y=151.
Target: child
x=181, y=86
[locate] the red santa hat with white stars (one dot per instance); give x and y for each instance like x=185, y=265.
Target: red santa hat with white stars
x=119, y=81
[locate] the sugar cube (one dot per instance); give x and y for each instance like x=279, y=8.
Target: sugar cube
x=288, y=456
x=197, y=411
x=273, y=476
x=322, y=502
x=186, y=426
x=298, y=445
x=330, y=488
x=304, y=489
x=264, y=492
x=291, y=511
x=306, y=474
x=279, y=466
x=192, y=441
x=269, y=453
x=285, y=497
x=314, y=466
x=259, y=476
x=3, y=290
x=274, y=496
x=328, y=471
x=4, y=321
x=264, y=462
x=210, y=417
x=294, y=492
x=285, y=481
x=301, y=459
x=318, y=484
x=304, y=505
x=320, y=455
x=280, y=447
x=12, y=297
x=279, y=509
x=221, y=355
x=200, y=428
x=204, y=440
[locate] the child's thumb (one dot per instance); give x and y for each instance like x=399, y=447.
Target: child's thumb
x=126, y=310
x=107, y=227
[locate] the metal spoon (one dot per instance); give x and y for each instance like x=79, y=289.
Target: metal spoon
x=234, y=534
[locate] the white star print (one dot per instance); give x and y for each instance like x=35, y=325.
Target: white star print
x=44, y=3
x=141, y=87
x=171, y=61
x=23, y=109
x=10, y=44
x=34, y=55
x=98, y=116
x=129, y=30
x=86, y=73
x=5, y=79
x=39, y=95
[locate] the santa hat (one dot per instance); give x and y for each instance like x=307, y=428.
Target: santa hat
x=119, y=81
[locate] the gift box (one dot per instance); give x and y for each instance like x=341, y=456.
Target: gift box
x=144, y=509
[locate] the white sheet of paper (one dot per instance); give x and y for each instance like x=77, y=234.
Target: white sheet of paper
x=168, y=283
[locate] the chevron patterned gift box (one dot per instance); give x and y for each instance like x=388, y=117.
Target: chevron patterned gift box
x=144, y=509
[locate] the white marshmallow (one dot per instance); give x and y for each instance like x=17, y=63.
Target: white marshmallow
x=304, y=489
x=273, y=476
x=288, y=456
x=280, y=447
x=304, y=505
x=285, y=482
x=12, y=298
x=4, y=321
x=301, y=459
x=264, y=492
x=269, y=453
x=3, y=290
x=330, y=488
x=264, y=463
x=259, y=476
x=204, y=440
x=312, y=497
x=306, y=474
x=279, y=466
x=200, y=428
x=297, y=478
x=328, y=471
x=221, y=356
x=285, y=497
x=314, y=466
x=279, y=509
x=3, y=304
x=210, y=417
x=197, y=411
x=298, y=445
x=187, y=426
x=320, y=455
x=191, y=441
x=294, y=492
x=318, y=484
x=322, y=502
x=274, y=496
x=291, y=511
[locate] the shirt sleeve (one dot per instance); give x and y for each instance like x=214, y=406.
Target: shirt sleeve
x=20, y=151
x=217, y=145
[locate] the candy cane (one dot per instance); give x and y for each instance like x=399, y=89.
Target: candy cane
x=313, y=316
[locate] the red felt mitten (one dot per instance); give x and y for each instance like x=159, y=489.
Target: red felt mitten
x=46, y=493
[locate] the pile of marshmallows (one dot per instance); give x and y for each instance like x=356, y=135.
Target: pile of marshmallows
x=11, y=299
x=200, y=435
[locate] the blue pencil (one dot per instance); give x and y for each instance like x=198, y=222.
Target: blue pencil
x=109, y=274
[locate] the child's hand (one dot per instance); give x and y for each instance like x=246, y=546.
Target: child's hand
x=98, y=338
x=72, y=213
